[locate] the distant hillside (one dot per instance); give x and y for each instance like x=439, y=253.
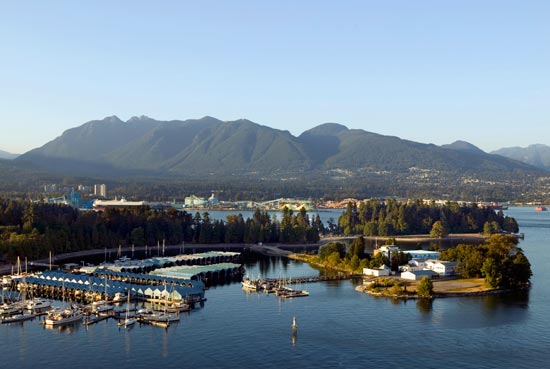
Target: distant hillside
x=464, y=146
x=7, y=155
x=209, y=146
x=537, y=155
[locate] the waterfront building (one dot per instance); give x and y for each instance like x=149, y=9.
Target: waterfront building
x=443, y=268
x=213, y=200
x=416, y=275
x=195, y=201
x=122, y=203
x=382, y=270
x=422, y=254
x=72, y=199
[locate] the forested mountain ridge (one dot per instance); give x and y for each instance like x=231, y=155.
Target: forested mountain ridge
x=209, y=146
x=537, y=155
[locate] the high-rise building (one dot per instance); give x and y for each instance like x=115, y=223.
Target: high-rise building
x=100, y=190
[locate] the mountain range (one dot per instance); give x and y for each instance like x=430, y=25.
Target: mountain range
x=537, y=155
x=198, y=147
x=7, y=155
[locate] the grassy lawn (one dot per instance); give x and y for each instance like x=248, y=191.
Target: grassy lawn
x=460, y=285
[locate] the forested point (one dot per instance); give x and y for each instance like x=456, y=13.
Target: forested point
x=498, y=260
x=393, y=218
x=32, y=230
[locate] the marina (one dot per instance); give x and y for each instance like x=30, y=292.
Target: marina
x=480, y=332
x=165, y=288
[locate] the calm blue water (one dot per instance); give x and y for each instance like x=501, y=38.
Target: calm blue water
x=337, y=328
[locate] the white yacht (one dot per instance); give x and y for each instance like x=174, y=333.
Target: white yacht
x=63, y=316
x=101, y=307
x=11, y=308
x=17, y=317
x=120, y=297
x=38, y=304
x=128, y=320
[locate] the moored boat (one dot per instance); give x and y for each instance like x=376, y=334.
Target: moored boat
x=17, y=317
x=11, y=308
x=119, y=297
x=540, y=208
x=128, y=320
x=99, y=307
x=38, y=304
x=295, y=293
x=63, y=316
x=252, y=285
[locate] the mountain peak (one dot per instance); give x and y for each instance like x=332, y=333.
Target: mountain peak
x=326, y=129
x=463, y=146
x=141, y=118
x=112, y=119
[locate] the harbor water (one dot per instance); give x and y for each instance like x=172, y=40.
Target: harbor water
x=337, y=327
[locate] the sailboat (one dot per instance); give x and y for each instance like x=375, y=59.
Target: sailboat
x=14, y=312
x=62, y=316
x=102, y=306
x=10, y=308
x=128, y=321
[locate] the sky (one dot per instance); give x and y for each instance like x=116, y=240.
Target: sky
x=426, y=71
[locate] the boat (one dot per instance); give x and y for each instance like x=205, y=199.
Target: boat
x=251, y=285
x=99, y=307
x=17, y=317
x=102, y=306
x=540, y=208
x=11, y=308
x=6, y=281
x=119, y=297
x=38, y=304
x=91, y=319
x=128, y=320
x=58, y=317
x=62, y=316
x=295, y=293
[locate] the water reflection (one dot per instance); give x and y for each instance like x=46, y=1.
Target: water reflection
x=294, y=337
x=485, y=311
x=424, y=306
x=68, y=328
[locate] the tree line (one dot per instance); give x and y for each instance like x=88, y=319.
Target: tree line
x=32, y=230
x=498, y=260
x=389, y=218
x=353, y=258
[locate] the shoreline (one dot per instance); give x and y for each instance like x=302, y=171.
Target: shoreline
x=488, y=292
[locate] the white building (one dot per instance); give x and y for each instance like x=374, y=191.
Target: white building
x=416, y=275
x=386, y=250
x=382, y=270
x=122, y=203
x=213, y=200
x=443, y=268
x=422, y=254
x=194, y=201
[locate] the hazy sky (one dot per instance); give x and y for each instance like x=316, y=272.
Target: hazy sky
x=427, y=71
